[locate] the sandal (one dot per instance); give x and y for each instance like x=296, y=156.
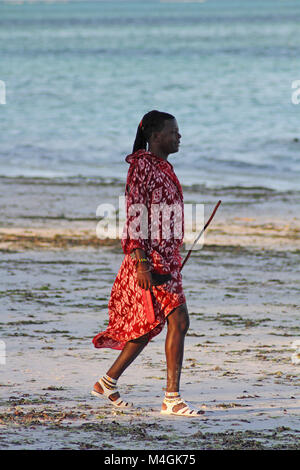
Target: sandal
x=108, y=392
x=186, y=410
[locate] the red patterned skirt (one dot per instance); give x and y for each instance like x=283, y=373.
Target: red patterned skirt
x=127, y=317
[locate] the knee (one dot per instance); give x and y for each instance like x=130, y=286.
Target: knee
x=141, y=340
x=179, y=319
x=185, y=323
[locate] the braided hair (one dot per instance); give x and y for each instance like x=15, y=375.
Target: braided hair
x=152, y=122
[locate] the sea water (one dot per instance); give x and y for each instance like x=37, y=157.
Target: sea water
x=79, y=76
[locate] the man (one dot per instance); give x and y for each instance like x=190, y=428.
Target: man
x=151, y=184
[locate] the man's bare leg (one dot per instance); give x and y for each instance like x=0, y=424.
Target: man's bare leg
x=178, y=324
x=130, y=352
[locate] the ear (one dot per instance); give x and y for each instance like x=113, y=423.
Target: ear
x=155, y=136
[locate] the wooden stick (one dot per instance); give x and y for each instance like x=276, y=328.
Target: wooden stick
x=202, y=231
x=147, y=295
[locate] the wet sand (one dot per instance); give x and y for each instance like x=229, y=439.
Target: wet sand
x=242, y=293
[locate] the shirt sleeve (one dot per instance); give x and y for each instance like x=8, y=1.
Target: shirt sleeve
x=136, y=231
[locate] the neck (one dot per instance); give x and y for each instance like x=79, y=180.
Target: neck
x=159, y=153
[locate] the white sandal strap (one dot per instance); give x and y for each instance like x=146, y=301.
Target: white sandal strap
x=107, y=392
x=119, y=403
x=111, y=383
x=184, y=411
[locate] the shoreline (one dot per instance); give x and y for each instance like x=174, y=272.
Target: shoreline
x=58, y=214
x=278, y=235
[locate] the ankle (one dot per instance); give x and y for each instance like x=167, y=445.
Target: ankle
x=172, y=396
x=109, y=382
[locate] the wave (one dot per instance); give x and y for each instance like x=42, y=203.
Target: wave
x=205, y=190
x=265, y=51
x=153, y=19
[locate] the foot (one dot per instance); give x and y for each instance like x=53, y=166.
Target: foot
x=102, y=390
x=98, y=388
x=179, y=407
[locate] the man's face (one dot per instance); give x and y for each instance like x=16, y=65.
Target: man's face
x=169, y=138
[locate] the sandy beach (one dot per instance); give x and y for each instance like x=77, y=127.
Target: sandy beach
x=242, y=293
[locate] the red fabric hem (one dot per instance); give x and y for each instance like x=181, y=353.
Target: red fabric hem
x=112, y=343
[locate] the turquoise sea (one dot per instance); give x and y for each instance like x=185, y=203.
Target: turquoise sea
x=79, y=75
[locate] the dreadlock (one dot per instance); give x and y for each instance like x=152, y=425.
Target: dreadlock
x=152, y=122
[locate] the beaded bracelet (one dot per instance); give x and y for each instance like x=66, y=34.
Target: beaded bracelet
x=141, y=260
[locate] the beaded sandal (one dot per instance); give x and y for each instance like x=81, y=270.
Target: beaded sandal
x=172, y=400
x=109, y=389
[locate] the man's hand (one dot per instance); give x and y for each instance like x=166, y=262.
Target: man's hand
x=144, y=278
x=144, y=275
